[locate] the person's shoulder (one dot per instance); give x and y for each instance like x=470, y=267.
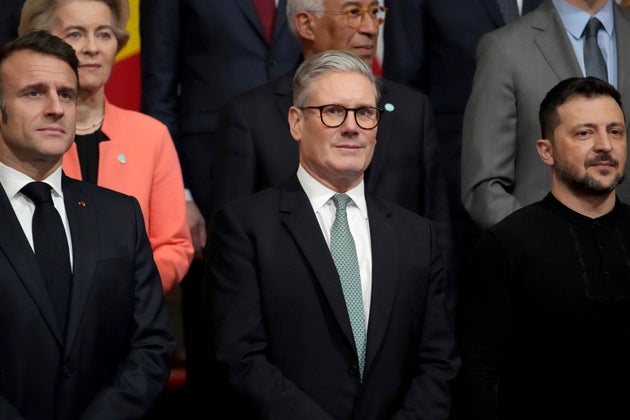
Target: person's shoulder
x=133, y=119
x=395, y=90
x=282, y=86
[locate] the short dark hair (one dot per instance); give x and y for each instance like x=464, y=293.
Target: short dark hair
x=42, y=42
x=586, y=87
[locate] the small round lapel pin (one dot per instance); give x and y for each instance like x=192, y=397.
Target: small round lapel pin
x=122, y=158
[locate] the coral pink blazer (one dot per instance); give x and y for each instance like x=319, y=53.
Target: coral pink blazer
x=140, y=160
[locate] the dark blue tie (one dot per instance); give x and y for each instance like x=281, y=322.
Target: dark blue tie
x=509, y=10
x=594, y=62
x=51, y=248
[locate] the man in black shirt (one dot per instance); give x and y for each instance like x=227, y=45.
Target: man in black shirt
x=546, y=306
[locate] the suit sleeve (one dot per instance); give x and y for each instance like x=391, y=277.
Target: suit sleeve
x=238, y=331
x=160, y=37
x=141, y=376
x=430, y=392
x=169, y=234
x=483, y=323
x=489, y=137
x=234, y=171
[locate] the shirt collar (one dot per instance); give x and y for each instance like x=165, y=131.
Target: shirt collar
x=13, y=180
x=319, y=195
x=575, y=19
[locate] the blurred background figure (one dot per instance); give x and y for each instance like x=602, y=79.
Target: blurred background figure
x=9, y=19
x=119, y=149
x=195, y=54
x=430, y=45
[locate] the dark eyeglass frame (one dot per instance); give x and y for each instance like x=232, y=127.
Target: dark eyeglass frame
x=321, y=108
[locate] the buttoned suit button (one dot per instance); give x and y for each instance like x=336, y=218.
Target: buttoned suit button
x=353, y=369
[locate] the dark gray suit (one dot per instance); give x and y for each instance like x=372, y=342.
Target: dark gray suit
x=516, y=66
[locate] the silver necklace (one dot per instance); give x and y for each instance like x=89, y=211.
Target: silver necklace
x=96, y=124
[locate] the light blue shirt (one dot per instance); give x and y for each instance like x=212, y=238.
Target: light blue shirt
x=574, y=21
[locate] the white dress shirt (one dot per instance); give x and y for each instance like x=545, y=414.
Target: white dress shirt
x=13, y=181
x=324, y=208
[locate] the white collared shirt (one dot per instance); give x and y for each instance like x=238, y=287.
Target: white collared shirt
x=324, y=208
x=13, y=181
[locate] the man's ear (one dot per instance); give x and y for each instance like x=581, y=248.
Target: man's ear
x=296, y=121
x=305, y=25
x=545, y=151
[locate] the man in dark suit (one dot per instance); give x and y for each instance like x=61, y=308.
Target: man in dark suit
x=284, y=322
x=256, y=150
x=105, y=353
x=430, y=45
x=195, y=55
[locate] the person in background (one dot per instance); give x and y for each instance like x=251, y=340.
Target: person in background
x=545, y=304
x=256, y=150
x=516, y=66
x=430, y=45
x=9, y=19
x=116, y=148
x=312, y=320
x=195, y=55
x=98, y=345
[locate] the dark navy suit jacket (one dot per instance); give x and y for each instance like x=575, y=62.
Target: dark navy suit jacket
x=195, y=55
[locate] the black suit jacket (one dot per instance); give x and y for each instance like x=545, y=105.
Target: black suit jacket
x=256, y=151
x=281, y=324
x=115, y=357
x=195, y=55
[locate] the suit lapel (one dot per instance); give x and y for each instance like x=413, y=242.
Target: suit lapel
x=280, y=20
x=81, y=215
x=385, y=255
x=297, y=215
x=492, y=7
x=553, y=43
x=19, y=253
x=249, y=10
x=622, y=35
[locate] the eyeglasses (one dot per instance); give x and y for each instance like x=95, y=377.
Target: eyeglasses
x=333, y=115
x=354, y=14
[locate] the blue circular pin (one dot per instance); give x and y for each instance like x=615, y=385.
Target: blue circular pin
x=122, y=158
x=389, y=107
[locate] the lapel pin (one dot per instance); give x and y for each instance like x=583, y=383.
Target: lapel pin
x=82, y=203
x=389, y=107
x=122, y=158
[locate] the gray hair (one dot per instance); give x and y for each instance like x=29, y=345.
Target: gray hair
x=315, y=7
x=40, y=14
x=331, y=61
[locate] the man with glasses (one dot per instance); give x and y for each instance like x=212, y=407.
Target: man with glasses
x=255, y=149
x=327, y=302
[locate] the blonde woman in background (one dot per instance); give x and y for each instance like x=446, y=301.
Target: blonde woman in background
x=116, y=148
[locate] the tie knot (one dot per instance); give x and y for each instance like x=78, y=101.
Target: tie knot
x=38, y=192
x=592, y=27
x=340, y=200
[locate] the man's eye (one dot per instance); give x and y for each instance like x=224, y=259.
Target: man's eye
x=334, y=110
x=374, y=11
x=33, y=93
x=353, y=12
